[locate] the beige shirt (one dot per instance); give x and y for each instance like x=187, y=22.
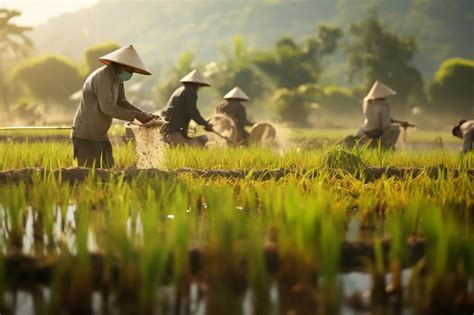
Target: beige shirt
x=377, y=115
x=467, y=130
x=103, y=98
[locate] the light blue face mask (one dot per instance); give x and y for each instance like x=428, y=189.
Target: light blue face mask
x=125, y=75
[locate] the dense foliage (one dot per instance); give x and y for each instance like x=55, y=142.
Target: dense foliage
x=453, y=87
x=93, y=53
x=14, y=43
x=379, y=54
x=49, y=78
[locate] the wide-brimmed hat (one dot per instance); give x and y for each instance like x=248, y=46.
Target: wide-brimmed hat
x=457, y=129
x=236, y=93
x=379, y=90
x=195, y=77
x=127, y=56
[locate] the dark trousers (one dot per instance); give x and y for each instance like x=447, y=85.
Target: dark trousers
x=93, y=153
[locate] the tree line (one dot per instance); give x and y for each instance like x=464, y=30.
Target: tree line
x=286, y=76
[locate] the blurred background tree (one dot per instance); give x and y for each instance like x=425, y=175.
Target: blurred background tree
x=340, y=101
x=293, y=106
x=452, y=88
x=237, y=69
x=93, y=53
x=383, y=49
x=173, y=75
x=51, y=79
x=291, y=64
x=378, y=54
x=295, y=69
x=14, y=44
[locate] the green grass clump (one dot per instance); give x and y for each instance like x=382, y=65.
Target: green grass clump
x=338, y=158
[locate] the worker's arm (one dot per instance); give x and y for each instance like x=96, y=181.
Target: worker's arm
x=104, y=88
x=242, y=117
x=468, y=138
x=123, y=102
x=192, y=111
x=404, y=124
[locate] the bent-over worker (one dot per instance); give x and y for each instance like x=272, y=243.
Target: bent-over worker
x=232, y=107
x=465, y=131
x=181, y=108
x=378, y=122
x=103, y=99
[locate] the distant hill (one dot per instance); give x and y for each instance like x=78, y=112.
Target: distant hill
x=162, y=29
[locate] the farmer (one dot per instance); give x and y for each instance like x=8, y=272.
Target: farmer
x=181, y=109
x=232, y=107
x=378, y=123
x=103, y=99
x=465, y=131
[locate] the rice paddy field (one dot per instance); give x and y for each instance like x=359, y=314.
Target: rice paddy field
x=300, y=230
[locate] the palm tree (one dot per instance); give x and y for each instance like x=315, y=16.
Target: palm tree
x=13, y=43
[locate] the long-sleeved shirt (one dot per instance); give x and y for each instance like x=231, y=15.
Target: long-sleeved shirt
x=103, y=98
x=180, y=110
x=236, y=111
x=377, y=115
x=467, y=130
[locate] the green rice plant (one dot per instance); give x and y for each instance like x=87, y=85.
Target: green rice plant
x=155, y=253
x=399, y=230
x=378, y=296
x=72, y=279
x=180, y=225
x=43, y=201
x=338, y=158
x=14, y=205
x=258, y=277
x=330, y=244
x=449, y=260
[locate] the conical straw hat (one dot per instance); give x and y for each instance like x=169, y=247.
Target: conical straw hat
x=195, y=77
x=236, y=93
x=127, y=56
x=379, y=90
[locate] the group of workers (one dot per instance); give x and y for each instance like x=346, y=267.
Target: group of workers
x=103, y=99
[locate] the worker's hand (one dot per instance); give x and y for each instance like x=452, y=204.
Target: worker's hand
x=406, y=124
x=144, y=117
x=208, y=127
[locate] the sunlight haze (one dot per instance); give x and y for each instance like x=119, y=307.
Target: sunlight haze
x=35, y=12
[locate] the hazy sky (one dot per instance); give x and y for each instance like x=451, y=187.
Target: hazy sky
x=35, y=12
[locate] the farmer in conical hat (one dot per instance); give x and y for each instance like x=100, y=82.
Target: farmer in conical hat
x=378, y=122
x=103, y=99
x=465, y=131
x=232, y=107
x=181, y=108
